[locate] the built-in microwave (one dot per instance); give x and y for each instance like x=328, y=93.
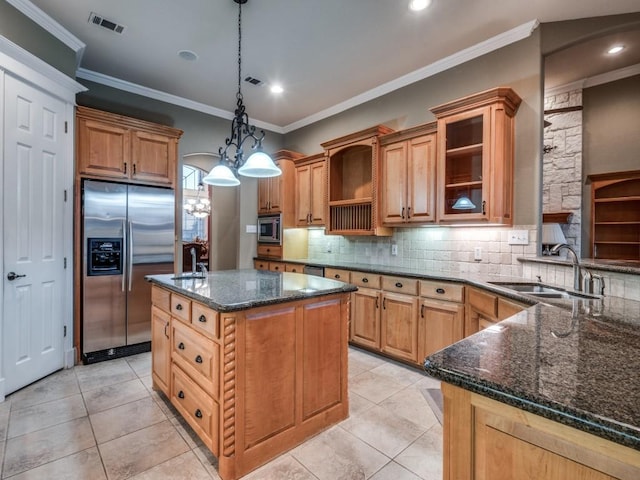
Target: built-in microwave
x=270, y=229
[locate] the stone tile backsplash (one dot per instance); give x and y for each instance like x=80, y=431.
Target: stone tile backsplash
x=445, y=249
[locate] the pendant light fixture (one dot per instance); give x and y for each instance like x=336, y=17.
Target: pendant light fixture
x=198, y=207
x=463, y=203
x=259, y=164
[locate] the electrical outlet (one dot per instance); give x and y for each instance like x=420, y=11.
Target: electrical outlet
x=477, y=254
x=518, y=237
x=328, y=248
x=394, y=249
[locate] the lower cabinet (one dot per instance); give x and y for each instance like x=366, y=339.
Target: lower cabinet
x=485, y=309
x=441, y=321
x=399, y=325
x=488, y=440
x=161, y=360
x=365, y=318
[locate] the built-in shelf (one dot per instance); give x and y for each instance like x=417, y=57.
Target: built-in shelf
x=556, y=217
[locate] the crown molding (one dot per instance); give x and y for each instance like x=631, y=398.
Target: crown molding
x=51, y=26
x=494, y=43
x=166, y=97
x=23, y=64
x=596, y=80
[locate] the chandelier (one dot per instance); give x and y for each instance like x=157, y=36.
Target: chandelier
x=198, y=207
x=259, y=164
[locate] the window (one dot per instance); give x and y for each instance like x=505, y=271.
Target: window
x=193, y=229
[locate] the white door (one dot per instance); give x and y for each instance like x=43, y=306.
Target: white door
x=32, y=229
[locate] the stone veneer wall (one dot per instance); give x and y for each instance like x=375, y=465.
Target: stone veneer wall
x=562, y=167
x=439, y=249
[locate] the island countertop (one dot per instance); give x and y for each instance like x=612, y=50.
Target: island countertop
x=579, y=368
x=233, y=290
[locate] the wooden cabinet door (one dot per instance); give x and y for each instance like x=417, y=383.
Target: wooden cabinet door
x=161, y=351
x=421, y=170
x=264, y=187
x=303, y=197
x=154, y=158
x=103, y=149
x=399, y=325
x=365, y=318
x=440, y=325
x=394, y=179
x=318, y=196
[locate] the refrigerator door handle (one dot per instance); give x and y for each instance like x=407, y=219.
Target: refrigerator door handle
x=130, y=253
x=125, y=253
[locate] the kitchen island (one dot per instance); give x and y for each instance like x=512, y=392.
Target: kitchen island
x=550, y=393
x=255, y=361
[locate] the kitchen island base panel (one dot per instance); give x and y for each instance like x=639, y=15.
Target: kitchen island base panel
x=488, y=440
x=279, y=379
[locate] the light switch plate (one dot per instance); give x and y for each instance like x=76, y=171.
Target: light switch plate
x=252, y=229
x=518, y=237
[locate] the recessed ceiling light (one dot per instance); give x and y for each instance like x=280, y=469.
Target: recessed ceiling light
x=277, y=88
x=615, y=49
x=417, y=5
x=188, y=55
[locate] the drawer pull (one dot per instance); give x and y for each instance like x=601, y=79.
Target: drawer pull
x=179, y=306
x=165, y=330
x=337, y=275
x=181, y=346
x=202, y=319
x=180, y=394
x=421, y=311
x=198, y=359
x=198, y=413
x=365, y=280
x=440, y=291
x=398, y=284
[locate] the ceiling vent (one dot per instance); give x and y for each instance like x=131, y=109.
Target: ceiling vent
x=254, y=81
x=99, y=20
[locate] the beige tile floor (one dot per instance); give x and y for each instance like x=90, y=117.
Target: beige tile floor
x=104, y=421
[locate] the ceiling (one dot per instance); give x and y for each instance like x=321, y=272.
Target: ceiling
x=327, y=55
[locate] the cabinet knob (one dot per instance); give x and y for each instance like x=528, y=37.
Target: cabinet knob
x=365, y=280
x=181, y=346
x=198, y=359
x=337, y=275
x=398, y=284
x=441, y=291
x=202, y=319
x=180, y=394
x=198, y=413
x=179, y=306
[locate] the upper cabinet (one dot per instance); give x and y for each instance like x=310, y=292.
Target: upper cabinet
x=408, y=173
x=353, y=175
x=276, y=194
x=615, y=215
x=475, y=157
x=311, y=190
x=127, y=149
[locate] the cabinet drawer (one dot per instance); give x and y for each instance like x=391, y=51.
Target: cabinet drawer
x=276, y=266
x=197, y=356
x=337, y=274
x=400, y=285
x=260, y=265
x=181, y=307
x=197, y=408
x=161, y=298
x=272, y=251
x=368, y=280
x=442, y=291
x=293, y=267
x=483, y=302
x=205, y=320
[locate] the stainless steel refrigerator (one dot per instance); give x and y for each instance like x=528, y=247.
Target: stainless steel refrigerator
x=128, y=232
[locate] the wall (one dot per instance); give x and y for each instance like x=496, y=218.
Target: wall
x=30, y=36
x=233, y=207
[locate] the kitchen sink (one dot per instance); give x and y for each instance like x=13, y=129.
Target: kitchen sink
x=540, y=290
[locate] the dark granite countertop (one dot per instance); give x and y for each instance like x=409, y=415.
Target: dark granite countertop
x=619, y=266
x=232, y=290
x=575, y=361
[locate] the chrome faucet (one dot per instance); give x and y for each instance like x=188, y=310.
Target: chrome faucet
x=203, y=268
x=193, y=260
x=577, y=285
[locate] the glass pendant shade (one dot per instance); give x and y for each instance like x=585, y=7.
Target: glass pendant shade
x=198, y=207
x=221, y=176
x=259, y=165
x=463, y=203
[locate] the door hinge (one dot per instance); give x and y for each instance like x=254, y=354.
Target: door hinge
x=65, y=263
x=66, y=127
x=65, y=330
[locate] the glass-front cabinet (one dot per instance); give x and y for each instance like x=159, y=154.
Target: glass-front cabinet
x=475, y=157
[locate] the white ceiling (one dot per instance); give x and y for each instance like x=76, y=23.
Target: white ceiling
x=326, y=54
